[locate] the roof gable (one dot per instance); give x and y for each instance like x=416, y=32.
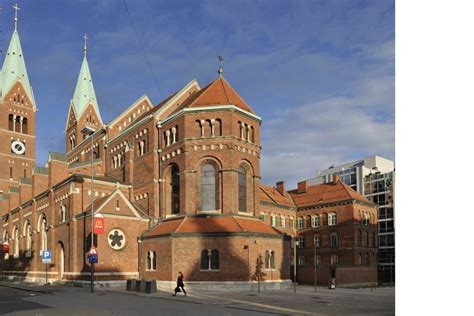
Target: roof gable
x=219, y=92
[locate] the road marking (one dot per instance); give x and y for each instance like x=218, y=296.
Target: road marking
x=258, y=305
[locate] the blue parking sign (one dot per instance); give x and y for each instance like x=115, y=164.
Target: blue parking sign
x=46, y=255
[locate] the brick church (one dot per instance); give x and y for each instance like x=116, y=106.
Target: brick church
x=178, y=185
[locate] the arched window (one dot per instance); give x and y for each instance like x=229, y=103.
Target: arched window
x=215, y=260
x=28, y=233
x=267, y=259
x=16, y=241
x=42, y=228
x=272, y=259
x=208, y=188
x=204, y=260
x=242, y=189
x=24, y=127
x=151, y=261
x=300, y=222
x=317, y=240
x=174, y=189
x=334, y=240
x=218, y=127
x=62, y=214
x=11, y=122
x=359, y=259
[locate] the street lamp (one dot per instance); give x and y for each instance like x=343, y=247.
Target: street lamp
x=315, y=266
x=88, y=131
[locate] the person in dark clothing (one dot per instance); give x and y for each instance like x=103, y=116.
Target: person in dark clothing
x=180, y=284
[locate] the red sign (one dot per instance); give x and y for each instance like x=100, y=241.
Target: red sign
x=6, y=247
x=99, y=225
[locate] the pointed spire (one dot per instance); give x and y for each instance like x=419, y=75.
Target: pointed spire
x=84, y=93
x=14, y=67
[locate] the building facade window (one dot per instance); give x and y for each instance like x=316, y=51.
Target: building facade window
x=301, y=242
x=300, y=222
x=334, y=240
x=334, y=260
x=283, y=221
x=301, y=261
x=314, y=221
x=242, y=189
x=151, y=261
x=317, y=240
x=209, y=260
x=332, y=219
x=175, y=188
x=62, y=214
x=274, y=220
x=208, y=188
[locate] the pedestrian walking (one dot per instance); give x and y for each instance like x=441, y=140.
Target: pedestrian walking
x=180, y=284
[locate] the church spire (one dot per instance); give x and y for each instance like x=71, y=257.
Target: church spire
x=85, y=92
x=14, y=67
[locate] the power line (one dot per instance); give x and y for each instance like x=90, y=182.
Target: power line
x=142, y=47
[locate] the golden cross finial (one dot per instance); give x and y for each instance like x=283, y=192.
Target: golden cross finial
x=85, y=44
x=220, y=70
x=17, y=8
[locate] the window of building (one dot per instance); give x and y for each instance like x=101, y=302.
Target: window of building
x=274, y=220
x=292, y=223
x=367, y=259
x=333, y=260
x=16, y=243
x=210, y=260
x=242, y=189
x=29, y=235
x=62, y=214
x=300, y=222
x=283, y=221
x=301, y=242
x=334, y=240
x=208, y=188
x=317, y=240
x=317, y=261
x=301, y=261
x=314, y=221
x=332, y=219
x=175, y=188
x=43, y=229
x=151, y=261
x=272, y=259
x=366, y=220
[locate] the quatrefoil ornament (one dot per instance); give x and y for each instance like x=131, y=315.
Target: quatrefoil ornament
x=116, y=239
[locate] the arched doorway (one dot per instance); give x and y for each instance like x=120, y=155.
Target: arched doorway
x=60, y=261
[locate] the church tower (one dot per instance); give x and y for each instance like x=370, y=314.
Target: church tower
x=17, y=116
x=83, y=108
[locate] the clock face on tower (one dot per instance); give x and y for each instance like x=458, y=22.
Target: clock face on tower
x=18, y=147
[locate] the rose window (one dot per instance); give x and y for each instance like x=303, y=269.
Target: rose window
x=116, y=239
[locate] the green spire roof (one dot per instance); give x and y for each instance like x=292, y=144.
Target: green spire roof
x=84, y=92
x=14, y=69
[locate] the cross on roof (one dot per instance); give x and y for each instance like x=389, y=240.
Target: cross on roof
x=17, y=8
x=220, y=70
x=85, y=43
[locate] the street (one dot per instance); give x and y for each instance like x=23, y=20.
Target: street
x=67, y=300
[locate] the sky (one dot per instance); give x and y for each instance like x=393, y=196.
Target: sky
x=320, y=74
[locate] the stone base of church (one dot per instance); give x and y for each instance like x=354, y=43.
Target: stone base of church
x=226, y=286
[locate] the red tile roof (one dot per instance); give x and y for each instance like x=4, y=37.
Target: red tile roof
x=218, y=92
x=212, y=224
x=271, y=195
x=326, y=192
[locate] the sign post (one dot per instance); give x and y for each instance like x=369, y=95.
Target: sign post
x=46, y=256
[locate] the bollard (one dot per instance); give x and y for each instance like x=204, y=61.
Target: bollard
x=131, y=284
x=142, y=286
x=138, y=285
x=150, y=286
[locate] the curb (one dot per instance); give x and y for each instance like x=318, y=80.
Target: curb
x=23, y=288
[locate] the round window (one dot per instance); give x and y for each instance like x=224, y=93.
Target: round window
x=116, y=239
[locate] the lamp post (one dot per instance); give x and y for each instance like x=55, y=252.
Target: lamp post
x=295, y=244
x=88, y=131
x=315, y=267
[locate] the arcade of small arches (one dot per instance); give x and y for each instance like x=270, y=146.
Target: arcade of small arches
x=18, y=123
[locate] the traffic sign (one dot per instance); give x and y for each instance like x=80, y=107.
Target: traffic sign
x=93, y=255
x=46, y=255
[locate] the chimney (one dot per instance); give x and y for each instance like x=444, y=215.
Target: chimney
x=302, y=187
x=281, y=187
x=335, y=178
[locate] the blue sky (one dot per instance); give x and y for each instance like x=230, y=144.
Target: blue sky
x=321, y=74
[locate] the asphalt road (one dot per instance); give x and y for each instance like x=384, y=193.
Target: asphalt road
x=66, y=300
